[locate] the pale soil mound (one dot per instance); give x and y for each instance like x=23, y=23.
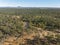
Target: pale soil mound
x=22, y=40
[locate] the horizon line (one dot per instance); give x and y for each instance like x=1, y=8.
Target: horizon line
x=31, y=6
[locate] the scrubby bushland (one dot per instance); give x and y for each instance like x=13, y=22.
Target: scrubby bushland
x=15, y=21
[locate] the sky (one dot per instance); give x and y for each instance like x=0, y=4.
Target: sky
x=30, y=3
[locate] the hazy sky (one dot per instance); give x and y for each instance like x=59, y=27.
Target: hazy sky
x=30, y=3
